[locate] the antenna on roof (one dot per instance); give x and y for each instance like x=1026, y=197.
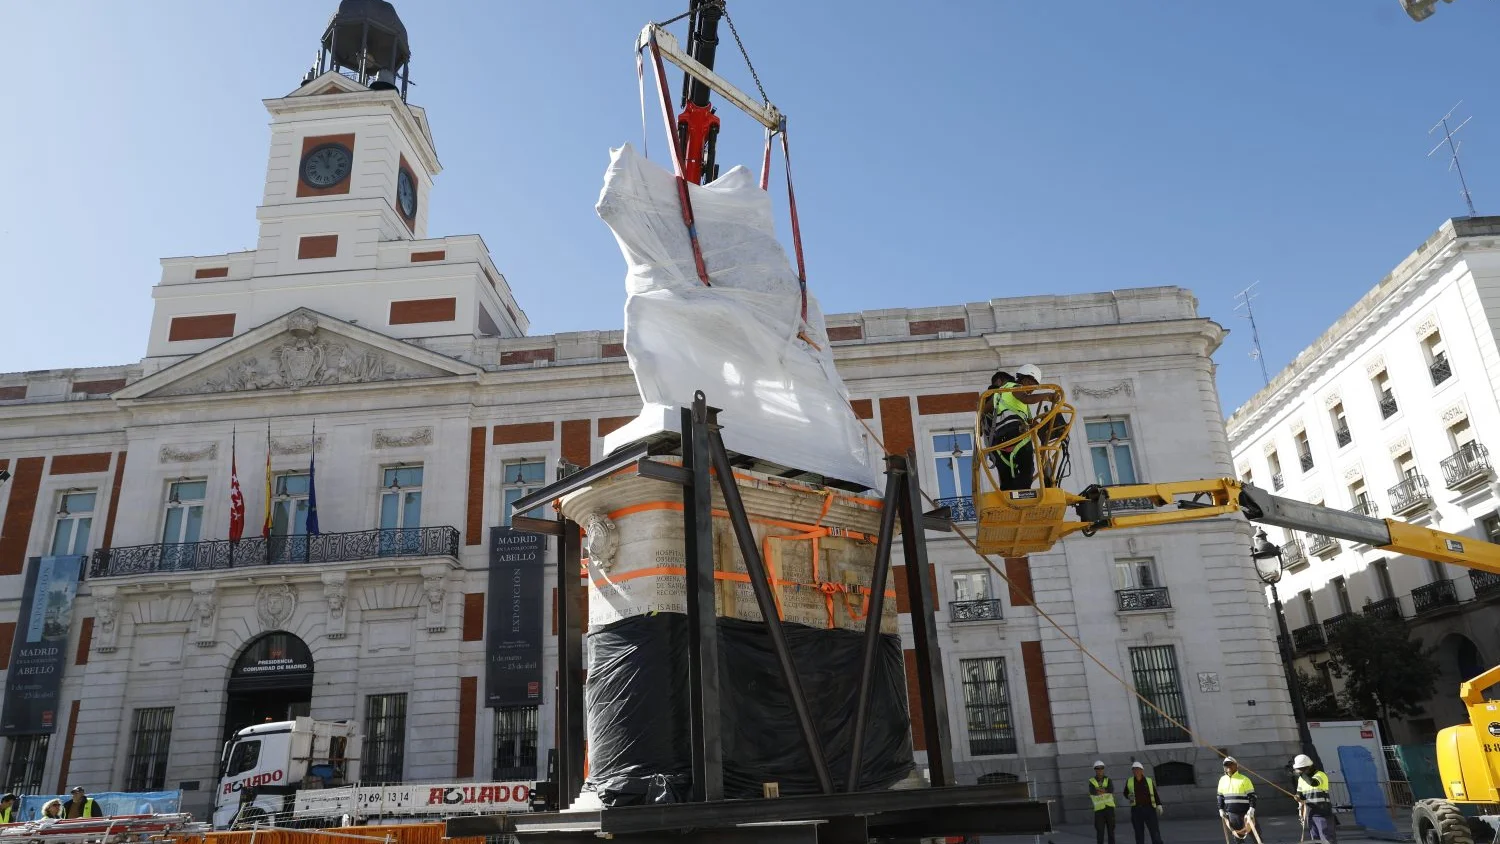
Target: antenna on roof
x=1453, y=165
x=1245, y=297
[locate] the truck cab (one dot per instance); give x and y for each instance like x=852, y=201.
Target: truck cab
x=263, y=767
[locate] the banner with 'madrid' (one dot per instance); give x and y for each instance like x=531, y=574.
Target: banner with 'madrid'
x=33, y=684
x=513, y=642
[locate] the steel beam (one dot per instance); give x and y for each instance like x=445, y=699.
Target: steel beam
x=1262, y=506
x=570, y=667
x=894, y=489
x=931, y=687
x=703, y=628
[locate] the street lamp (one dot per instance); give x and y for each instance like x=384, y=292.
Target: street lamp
x=1269, y=567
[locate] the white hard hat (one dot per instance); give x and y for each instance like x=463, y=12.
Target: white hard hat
x=1099, y=764
x=1029, y=369
x=1134, y=765
x=1230, y=760
x=1302, y=761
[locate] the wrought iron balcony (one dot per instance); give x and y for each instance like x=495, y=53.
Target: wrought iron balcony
x=1387, y=608
x=1435, y=596
x=1342, y=436
x=1130, y=600
x=960, y=508
x=353, y=546
x=1332, y=623
x=1467, y=466
x=1309, y=639
x=1365, y=508
x=1292, y=555
x=1440, y=369
x=1388, y=406
x=1306, y=460
x=1319, y=545
x=986, y=609
x=1485, y=583
x=1410, y=495
x=1277, y=481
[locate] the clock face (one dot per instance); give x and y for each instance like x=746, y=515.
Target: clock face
x=406, y=193
x=326, y=166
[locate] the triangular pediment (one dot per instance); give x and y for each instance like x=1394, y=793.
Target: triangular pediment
x=301, y=350
x=331, y=82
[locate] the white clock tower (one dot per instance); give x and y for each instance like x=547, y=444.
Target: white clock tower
x=343, y=220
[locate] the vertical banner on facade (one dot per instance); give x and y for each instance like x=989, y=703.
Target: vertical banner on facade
x=513, y=640
x=33, y=683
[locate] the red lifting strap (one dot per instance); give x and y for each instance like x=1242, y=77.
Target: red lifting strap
x=791, y=198
x=683, y=199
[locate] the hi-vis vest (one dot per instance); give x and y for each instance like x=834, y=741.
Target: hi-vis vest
x=7, y=814
x=1101, y=801
x=1315, y=792
x=1007, y=405
x=1236, y=789
x=1150, y=789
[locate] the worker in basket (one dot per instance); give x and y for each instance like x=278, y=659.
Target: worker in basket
x=1010, y=414
x=1237, y=800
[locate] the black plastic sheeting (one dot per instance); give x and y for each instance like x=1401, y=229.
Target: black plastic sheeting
x=637, y=699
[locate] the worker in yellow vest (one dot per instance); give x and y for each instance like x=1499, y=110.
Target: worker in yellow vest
x=1010, y=416
x=8, y=810
x=1316, y=803
x=80, y=805
x=1102, y=796
x=1145, y=805
x=1236, y=799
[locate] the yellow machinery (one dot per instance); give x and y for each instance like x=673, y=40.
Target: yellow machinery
x=1019, y=522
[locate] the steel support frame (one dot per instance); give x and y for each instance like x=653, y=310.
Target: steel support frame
x=570, y=667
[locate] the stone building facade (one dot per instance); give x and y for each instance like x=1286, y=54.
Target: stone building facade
x=1390, y=413
x=400, y=363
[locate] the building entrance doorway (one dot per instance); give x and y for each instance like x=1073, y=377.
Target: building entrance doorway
x=272, y=680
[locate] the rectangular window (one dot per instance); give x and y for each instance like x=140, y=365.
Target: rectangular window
x=24, y=761
x=1309, y=606
x=1383, y=394
x=400, y=509
x=1437, y=358
x=1406, y=466
x=953, y=453
x=971, y=586
x=1491, y=526
x=1383, y=579
x=987, y=705
x=1111, y=452
x=184, y=519
x=1136, y=573
x=515, y=743
x=518, y=479
x=1341, y=593
x=1460, y=434
x=1341, y=433
x=1273, y=461
x=1361, y=499
x=1304, y=450
x=385, y=739
x=75, y=519
x=1436, y=571
x=147, y=768
x=289, y=504
x=1154, y=670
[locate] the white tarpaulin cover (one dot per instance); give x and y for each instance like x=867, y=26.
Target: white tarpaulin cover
x=737, y=341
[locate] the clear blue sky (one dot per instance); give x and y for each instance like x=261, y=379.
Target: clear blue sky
x=945, y=152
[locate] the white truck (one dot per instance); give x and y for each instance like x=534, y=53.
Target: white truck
x=306, y=773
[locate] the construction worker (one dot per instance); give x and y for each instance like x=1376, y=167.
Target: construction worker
x=1102, y=796
x=80, y=805
x=1015, y=464
x=1315, y=802
x=1236, y=799
x=987, y=412
x=8, y=808
x=1145, y=805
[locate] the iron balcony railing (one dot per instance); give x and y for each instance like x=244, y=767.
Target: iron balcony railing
x=1277, y=481
x=1292, y=555
x=960, y=508
x=1434, y=596
x=1387, y=608
x=1388, y=405
x=1440, y=370
x=1318, y=544
x=1469, y=464
x=1306, y=461
x=1308, y=639
x=985, y=609
x=1411, y=494
x=1365, y=508
x=1485, y=583
x=352, y=546
x=1342, y=436
x=1332, y=623
x=1156, y=598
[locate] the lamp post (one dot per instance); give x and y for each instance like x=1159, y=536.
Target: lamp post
x=1269, y=567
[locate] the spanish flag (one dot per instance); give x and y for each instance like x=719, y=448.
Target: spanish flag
x=265, y=528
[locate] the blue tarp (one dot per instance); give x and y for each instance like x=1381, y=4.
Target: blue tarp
x=1371, y=809
x=112, y=803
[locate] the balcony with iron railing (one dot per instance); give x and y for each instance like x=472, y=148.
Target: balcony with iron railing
x=1309, y=639
x=1342, y=436
x=1486, y=584
x=1468, y=466
x=1133, y=600
x=1436, y=596
x=258, y=551
x=1277, y=482
x=960, y=508
x=1388, y=406
x=1306, y=459
x=1387, y=608
x=1440, y=369
x=1293, y=558
x=1319, y=545
x=984, y=609
x=1365, y=507
x=1410, y=496
x=1332, y=623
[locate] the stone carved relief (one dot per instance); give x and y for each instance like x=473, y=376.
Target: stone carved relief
x=1100, y=391
x=434, y=590
x=188, y=452
x=303, y=359
x=282, y=446
x=1454, y=413
x=403, y=438
x=1299, y=427
x=1330, y=400
x=336, y=593
x=205, y=612
x=1426, y=327
x=1400, y=447
x=601, y=541
x=106, y=618
x=274, y=605
x=1354, y=472
x=1374, y=365
x=1268, y=447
